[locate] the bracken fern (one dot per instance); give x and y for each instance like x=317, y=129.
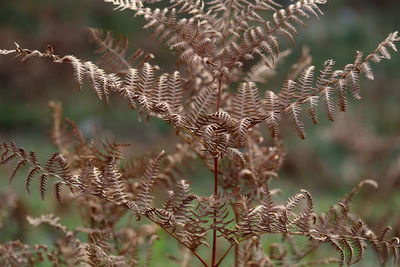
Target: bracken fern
x=213, y=40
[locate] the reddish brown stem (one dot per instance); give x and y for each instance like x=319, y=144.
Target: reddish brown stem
x=236, y=245
x=214, y=245
x=219, y=93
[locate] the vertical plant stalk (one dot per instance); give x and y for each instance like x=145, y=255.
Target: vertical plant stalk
x=236, y=257
x=214, y=245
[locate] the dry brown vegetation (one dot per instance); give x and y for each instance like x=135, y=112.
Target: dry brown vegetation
x=225, y=49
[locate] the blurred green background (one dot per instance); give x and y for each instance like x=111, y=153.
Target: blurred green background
x=362, y=143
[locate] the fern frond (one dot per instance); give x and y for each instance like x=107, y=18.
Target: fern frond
x=113, y=51
x=49, y=219
x=353, y=81
x=246, y=102
x=55, y=167
x=347, y=249
x=185, y=35
x=382, y=52
x=146, y=79
x=126, y=4
x=262, y=40
x=202, y=103
x=20, y=164
x=287, y=93
x=294, y=112
x=175, y=93
x=183, y=202
x=312, y=108
x=335, y=243
x=305, y=82
x=34, y=170
x=341, y=87
x=144, y=198
x=113, y=186
x=43, y=185
x=360, y=246
x=325, y=74
x=79, y=69
x=264, y=70
x=271, y=104
x=294, y=94
x=247, y=218
x=348, y=198
x=326, y=96
x=293, y=201
x=236, y=155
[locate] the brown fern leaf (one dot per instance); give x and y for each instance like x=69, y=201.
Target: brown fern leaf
x=360, y=246
x=185, y=35
x=382, y=52
x=43, y=185
x=335, y=243
x=34, y=170
x=257, y=39
x=183, y=202
x=271, y=104
x=326, y=96
x=305, y=220
x=353, y=82
x=202, y=103
x=79, y=69
x=144, y=198
x=166, y=97
x=236, y=155
x=246, y=102
x=20, y=164
x=194, y=234
x=303, y=91
x=91, y=180
x=312, y=108
x=294, y=112
x=159, y=94
x=57, y=190
x=56, y=166
x=113, y=51
x=175, y=93
x=16, y=253
x=325, y=74
x=48, y=219
x=305, y=82
x=247, y=218
x=162, y=217
x=287, y=93
x=146, y=79
x=113, y=186
x=126, y=4
x=341, y=87
x=348, y=198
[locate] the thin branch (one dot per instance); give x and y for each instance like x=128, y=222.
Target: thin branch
x=180, y=242
x=214, y=245
x=223, y=256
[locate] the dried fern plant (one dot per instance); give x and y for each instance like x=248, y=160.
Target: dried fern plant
x=213, y=40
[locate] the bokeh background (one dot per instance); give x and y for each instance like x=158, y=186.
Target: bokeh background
x=363, y=143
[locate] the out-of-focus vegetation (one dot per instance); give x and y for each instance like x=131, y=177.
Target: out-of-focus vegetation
x=325, y=163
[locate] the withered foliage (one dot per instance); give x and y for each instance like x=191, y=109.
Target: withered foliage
x=213, y=40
